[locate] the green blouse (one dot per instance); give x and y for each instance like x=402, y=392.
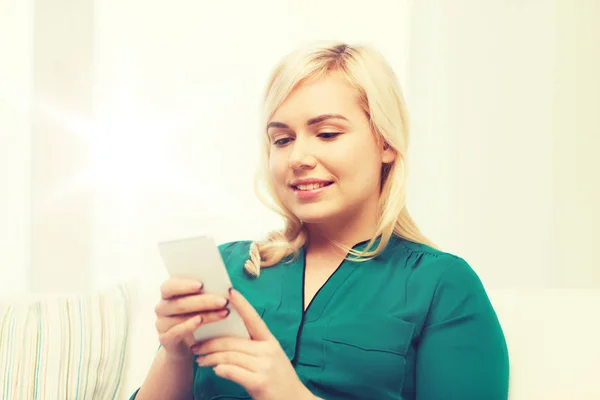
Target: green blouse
x=413, y=323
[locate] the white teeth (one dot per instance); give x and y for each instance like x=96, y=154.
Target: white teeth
x=311, y=186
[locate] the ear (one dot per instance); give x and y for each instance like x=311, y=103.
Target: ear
x=388, y=154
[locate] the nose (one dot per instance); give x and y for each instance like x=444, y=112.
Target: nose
x=301, y=156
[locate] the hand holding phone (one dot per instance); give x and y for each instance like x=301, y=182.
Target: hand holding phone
x=182, y=309
x=198, y=258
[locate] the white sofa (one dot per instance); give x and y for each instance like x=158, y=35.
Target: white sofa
x=553, y=337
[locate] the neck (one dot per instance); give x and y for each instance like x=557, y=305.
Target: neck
x=347, y=231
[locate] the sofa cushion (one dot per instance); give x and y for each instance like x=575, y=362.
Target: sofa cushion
x=64, y=346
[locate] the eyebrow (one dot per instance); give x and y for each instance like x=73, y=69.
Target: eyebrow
x=311, y=121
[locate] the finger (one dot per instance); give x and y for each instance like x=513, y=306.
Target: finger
x=190, y=304
x=257, y=328
x=174, y=287
x=163, y=324
x=242, y=360
x=225, y=344
x=180, y=331
x=239, y=375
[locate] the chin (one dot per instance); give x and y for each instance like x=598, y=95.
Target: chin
x=315, y=213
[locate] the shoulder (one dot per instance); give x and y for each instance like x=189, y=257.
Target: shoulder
x=447, y=286
x=440, y=270
x=259, y=292
x=235, y=250
x=234, y=255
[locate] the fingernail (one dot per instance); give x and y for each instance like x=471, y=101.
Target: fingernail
x=223, y=313
x=226, y=302
x=198, y=321
x=230, y=289
x=199, y=285
x=200, y=361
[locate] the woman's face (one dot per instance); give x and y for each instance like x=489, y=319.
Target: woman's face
x=325, y=162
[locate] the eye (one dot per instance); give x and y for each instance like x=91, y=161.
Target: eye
x=329, y=135
x=282, y=142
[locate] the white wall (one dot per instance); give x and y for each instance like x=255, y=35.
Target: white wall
x=576, y=136
x=61, y=196
x=505, y=103
x=16, y=71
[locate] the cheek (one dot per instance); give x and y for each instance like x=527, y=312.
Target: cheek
x=277, y=167
x=360, y=173
x=344, y=167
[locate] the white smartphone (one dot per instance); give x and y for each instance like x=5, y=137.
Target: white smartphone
x=199, y=258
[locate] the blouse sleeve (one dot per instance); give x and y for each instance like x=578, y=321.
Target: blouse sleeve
x=462, y=353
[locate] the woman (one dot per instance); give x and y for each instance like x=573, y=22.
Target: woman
x=349, y=300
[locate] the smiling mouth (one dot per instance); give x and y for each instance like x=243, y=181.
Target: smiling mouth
x=311, y=186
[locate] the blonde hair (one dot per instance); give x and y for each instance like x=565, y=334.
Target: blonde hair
x=365, y=69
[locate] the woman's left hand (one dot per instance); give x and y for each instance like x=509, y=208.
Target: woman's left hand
x=258, y=364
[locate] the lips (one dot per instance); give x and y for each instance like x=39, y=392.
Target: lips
x=310, y=186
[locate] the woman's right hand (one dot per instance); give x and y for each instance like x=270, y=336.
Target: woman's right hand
x=183, y=308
